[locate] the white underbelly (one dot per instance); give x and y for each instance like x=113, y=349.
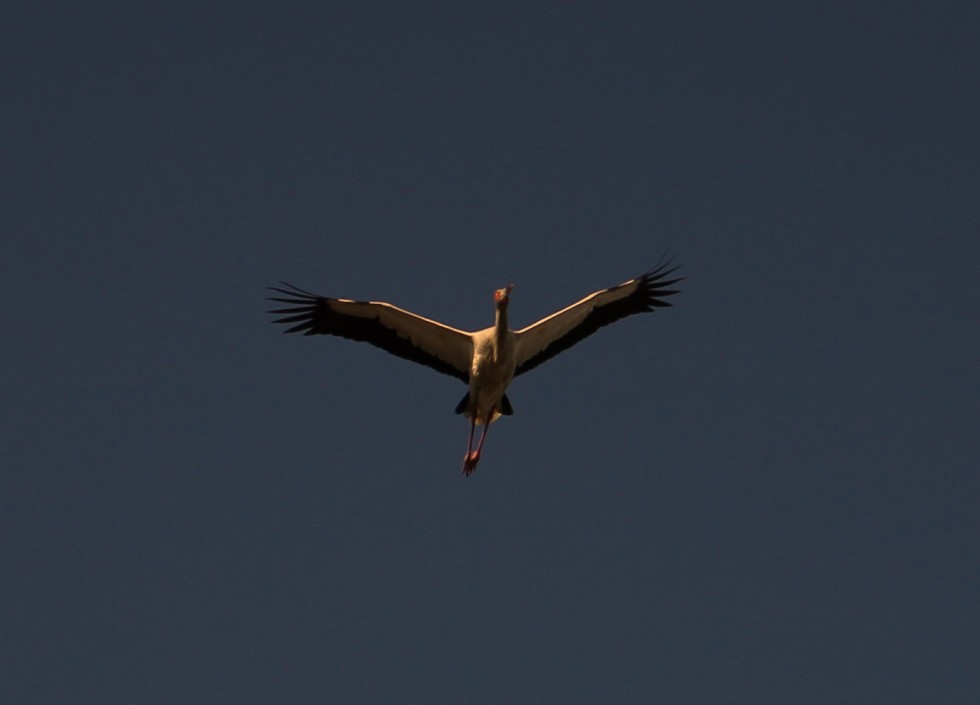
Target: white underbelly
x=489, y=379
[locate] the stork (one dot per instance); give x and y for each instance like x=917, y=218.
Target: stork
x=486, y=360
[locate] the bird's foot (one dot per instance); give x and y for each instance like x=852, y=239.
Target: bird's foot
x=469, y=462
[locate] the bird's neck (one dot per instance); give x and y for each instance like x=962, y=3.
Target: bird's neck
x=500, y=326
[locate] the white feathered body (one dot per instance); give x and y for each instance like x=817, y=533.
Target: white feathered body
x=490, y=374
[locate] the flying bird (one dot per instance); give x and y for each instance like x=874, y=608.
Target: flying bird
x=486, y=360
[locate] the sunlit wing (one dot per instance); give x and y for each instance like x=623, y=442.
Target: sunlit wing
x=388, y=327
x=558, y=332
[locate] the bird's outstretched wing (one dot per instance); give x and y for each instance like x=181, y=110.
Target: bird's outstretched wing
x=558, y=332
x=388, y=327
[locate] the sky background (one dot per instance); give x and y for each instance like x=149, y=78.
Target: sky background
x=768, y=493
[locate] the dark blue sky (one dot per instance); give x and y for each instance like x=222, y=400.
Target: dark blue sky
x=767, y=493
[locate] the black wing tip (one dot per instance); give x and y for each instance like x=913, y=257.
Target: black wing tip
x=664, y=268
x=302, y=308
x=305, y=324
x=293, y=291
x=653, y=284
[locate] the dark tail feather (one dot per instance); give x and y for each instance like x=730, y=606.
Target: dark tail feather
x=505, y=408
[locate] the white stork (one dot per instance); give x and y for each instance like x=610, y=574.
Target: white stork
x=487, y=360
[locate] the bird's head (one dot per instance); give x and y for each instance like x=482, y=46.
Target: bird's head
x=501, y=297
